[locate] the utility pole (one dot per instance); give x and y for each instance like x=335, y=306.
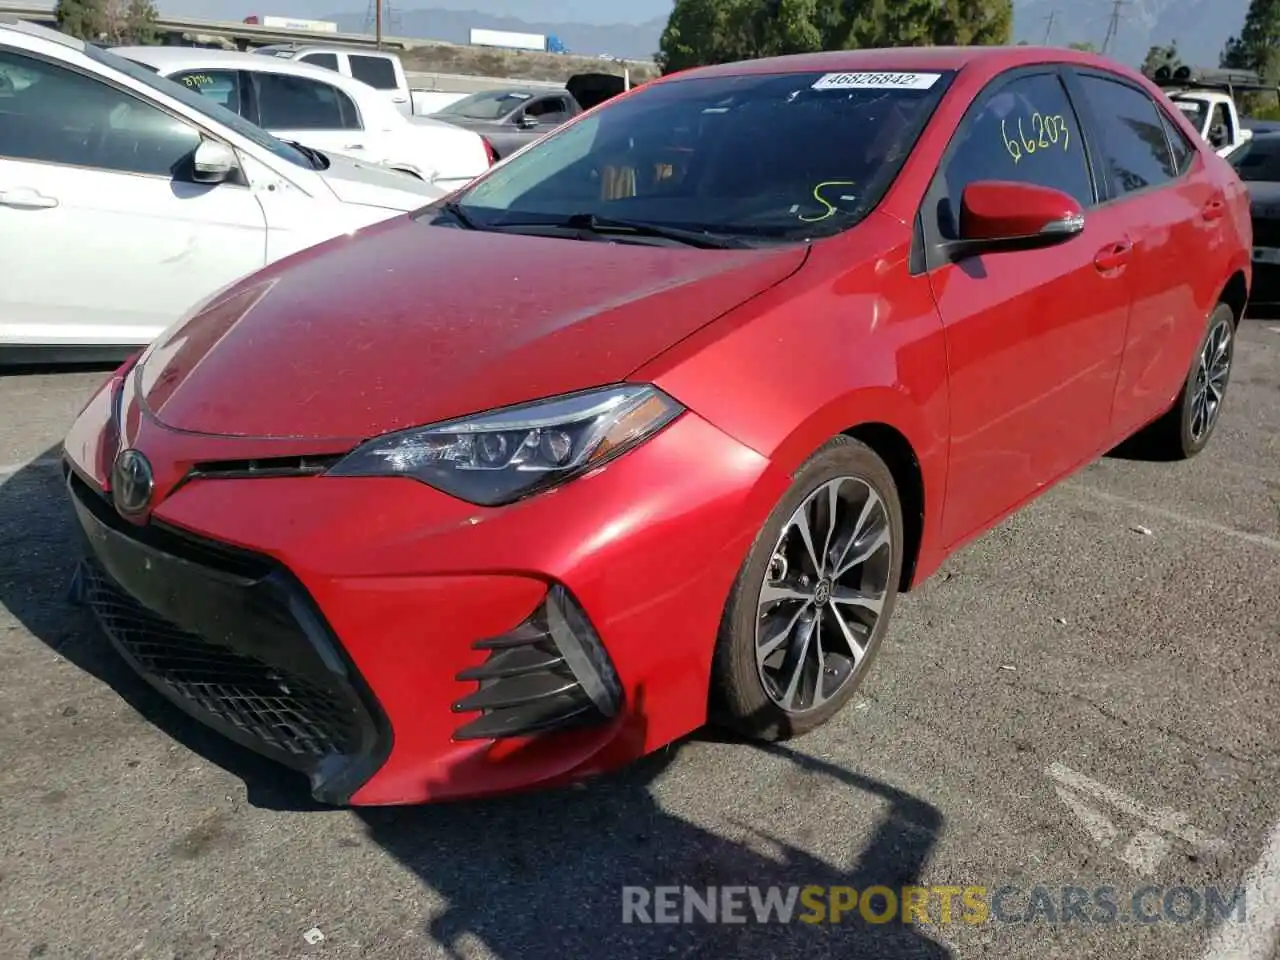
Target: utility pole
x=1048, y=29
x=1113, y=25
x=379, y=15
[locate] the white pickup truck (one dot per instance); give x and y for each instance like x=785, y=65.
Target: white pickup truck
x=1207, y=99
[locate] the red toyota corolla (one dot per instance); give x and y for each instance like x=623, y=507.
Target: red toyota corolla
x=652, y=423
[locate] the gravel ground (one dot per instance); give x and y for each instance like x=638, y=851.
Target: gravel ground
x=1088, y=697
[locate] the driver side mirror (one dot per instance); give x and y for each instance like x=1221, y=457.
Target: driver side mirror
x=527, y=122
x=1002, y=214
x=214, y=162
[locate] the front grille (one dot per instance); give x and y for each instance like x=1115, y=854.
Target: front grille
x=234, y=639
x=268, y=467
x=285, y=711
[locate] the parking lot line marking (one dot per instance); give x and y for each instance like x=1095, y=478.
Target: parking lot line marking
x=1255, y=937
x=9, y=469
x=1148, y=847
x=1274, y=329
x=1258, y=539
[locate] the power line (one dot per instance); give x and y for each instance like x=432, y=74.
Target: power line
x=379, y=16
x=1048, y=27
x=1113, y=25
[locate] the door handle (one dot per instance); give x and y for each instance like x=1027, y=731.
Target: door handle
x=1215, y=209
x=399, y=99
x=25, y=198
x=354, y=146
x=1114, y=256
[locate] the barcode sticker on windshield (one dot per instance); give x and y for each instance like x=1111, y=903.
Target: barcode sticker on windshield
x=877, y=81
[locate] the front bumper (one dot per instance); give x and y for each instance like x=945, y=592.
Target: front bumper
x=397, y=645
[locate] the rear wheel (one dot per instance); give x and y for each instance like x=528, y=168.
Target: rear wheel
x=1186, y=428
x=813, y=599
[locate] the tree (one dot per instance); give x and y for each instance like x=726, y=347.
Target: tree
x=85, y=19
x=720, y=31
x=1086, y=45
x=1257, y=47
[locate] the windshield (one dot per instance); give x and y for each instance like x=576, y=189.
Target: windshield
x=490, y=105
x=202, y=105
x=1258, y=159
x=784, y=156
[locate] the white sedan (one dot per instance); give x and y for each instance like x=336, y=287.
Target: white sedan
x=324, y=110
x=125, y=199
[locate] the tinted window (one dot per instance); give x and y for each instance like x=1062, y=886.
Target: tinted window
x=299, y=103
x=1133, y=144
x=327, y=60
x=1258, y=159
x=1183, y=150
x=786, y=156
x=203, y=106
x=550, y=110
x=220, y=86
x=1025, y=132
x=377, y=72
x=54, y=115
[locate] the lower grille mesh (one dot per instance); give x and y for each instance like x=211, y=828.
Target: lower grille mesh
x=284, y=711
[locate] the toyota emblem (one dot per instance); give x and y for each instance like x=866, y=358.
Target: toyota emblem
x=132, y=482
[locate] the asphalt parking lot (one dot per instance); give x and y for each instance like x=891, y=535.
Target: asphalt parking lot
x=1089, y=697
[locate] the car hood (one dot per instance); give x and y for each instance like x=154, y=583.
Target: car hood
x=406, y=324
x=371, y=185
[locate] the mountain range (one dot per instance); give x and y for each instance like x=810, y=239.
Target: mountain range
x=631, y=29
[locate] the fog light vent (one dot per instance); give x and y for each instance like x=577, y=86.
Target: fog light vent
x=549, y=673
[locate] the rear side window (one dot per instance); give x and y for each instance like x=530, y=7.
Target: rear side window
x=1183, y=150
x=1132, y=138
x=327, y=60
x=287, y=102
x=377, y=72
x=1025, y=132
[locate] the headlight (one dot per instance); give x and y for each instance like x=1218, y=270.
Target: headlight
x=501, y=456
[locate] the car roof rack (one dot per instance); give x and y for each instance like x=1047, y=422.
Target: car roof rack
x=1195, y=78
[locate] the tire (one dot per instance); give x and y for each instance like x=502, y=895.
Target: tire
x=1185, y=429
x=750, y=697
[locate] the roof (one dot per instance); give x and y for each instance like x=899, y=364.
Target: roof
x=908, y=59
x=169, y=59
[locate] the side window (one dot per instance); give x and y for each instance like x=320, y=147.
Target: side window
x=377, y=72
x=1221, y=129
x=220, y=86
x=550, y=110
x=327, y=60
x=50, y=114
x=287, y=102
x=1025, y=132
x=1183, y=150
x=1132, y=138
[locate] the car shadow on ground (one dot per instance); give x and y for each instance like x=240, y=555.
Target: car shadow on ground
x=532, y=875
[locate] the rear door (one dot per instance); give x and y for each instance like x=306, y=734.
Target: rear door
x=1035, y=336
x=1157, y=182
x=104, y=235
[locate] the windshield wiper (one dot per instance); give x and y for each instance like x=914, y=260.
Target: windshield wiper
x=454, y=209
x=314, y=156
x=611, y=226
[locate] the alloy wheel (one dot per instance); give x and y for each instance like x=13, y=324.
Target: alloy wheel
x=1212, y=372
x=823, y=593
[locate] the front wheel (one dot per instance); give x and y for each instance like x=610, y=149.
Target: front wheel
x=813, y=599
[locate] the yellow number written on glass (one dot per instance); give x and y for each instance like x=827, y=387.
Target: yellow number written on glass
x=1040, y=132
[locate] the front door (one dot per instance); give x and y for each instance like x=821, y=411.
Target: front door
x=1034, y=337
